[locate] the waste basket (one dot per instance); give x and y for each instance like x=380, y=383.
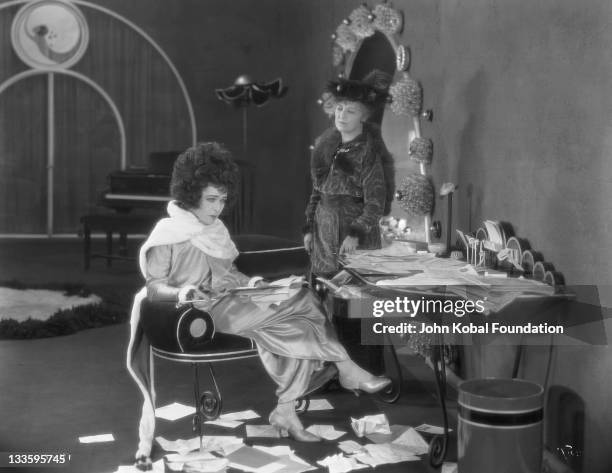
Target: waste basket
x=500, y=426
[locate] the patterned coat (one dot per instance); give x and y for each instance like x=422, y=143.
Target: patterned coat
x=352, y=187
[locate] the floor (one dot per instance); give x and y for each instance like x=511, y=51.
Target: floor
x=58, y=389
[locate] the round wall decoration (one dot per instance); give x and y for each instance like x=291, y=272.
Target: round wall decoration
x=49, y=34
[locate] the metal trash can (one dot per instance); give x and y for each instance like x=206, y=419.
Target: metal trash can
x=500, y=426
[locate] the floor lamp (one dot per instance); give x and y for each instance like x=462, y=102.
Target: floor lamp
x=244, y=92
x=241, y=94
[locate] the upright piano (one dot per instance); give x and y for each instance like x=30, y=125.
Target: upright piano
x=146, y=190
x=141, y=188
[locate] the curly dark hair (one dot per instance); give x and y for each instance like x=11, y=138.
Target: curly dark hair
x=200, y=166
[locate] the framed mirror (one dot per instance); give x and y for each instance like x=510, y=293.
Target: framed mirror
x=370, y=39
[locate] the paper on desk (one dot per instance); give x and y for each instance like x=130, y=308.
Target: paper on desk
x=230, y=424
x=382, y=453
x=328, y=432
x=262, y=431
x=174, y=411
x=319, y=405
x=412, y=441
x=288, y=281
x=340, y=464
x=349, y=446
x=240, y=415
x=370, y=424
x=433, y=278
x=97, y=438
x=210, y=443
x=431, y=429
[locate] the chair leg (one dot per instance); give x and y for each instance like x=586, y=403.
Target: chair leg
x=211, y=402
x=197, y=417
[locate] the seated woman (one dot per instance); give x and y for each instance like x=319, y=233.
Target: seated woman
x=190, y=256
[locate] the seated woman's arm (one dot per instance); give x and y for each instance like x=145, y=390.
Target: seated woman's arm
x=158, y=268
x=234, y=278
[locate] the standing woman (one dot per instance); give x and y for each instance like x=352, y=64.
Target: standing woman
x=352, y=176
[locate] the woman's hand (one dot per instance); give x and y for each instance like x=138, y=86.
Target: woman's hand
x=349, y=245
x=189, y=293
x=308, y=242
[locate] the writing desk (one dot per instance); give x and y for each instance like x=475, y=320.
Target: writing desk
x=507, y=301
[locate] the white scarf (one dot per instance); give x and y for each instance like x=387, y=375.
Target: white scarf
x=182, y=225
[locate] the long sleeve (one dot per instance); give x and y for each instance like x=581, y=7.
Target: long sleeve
x=374, y=193
x=315, y=197
x=159, y=260
x=231, y=279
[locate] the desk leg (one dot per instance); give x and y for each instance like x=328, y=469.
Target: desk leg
x=439, y=444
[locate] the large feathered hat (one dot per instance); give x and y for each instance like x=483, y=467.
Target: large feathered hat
x=372, y=91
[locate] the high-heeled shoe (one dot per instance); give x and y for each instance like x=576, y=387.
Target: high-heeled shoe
x=287, y=428
x=372, y=385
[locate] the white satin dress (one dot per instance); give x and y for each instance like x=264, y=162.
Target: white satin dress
x=293, y=337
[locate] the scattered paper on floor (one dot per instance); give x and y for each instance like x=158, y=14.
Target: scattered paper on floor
x=241, y=415
x=267, y=431
x=328, y=432
x=230, y=424
x=370, y=424
x=431, y=429
x=157, y=467
x=210, y=443
x=189, y=457
x=254, y=460
x=319, y=405
x=97, y=438
x=174, y=411
x=349, y=446
x=380, y=454
x=284, y=450
x=413, y=441
x=396, y=431
x=340, y=464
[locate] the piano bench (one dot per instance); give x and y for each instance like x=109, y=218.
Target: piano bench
x=122, y=224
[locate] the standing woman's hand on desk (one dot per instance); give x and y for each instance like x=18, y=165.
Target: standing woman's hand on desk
x=349, y=245
x=308, y=242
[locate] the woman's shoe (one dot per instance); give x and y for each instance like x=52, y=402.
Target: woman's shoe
x=356, y=379
x=287, y=428
x=374, y=385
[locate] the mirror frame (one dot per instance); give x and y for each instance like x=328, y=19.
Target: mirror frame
x=402, y=65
